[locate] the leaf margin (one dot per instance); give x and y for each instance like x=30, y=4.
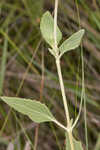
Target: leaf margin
x=43, y=26
x=66, y=43
x=50, y=118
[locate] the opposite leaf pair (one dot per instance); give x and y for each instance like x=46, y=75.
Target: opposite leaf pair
x=47, y=30
x=35, y=110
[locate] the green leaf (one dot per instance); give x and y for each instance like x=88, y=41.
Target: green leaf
x=72, y=42
x=77, y=144
x=35, y=110
x=47, y=29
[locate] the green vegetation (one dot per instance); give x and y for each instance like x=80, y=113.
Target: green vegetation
x=27, y=70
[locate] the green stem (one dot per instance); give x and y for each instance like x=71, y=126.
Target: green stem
x=60, y=77
x=55, y=24
x=65, y=103
x=63, y=91
x=3, y=65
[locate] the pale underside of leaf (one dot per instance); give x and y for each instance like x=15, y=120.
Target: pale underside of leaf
x=35, y=110
x=47, y=29
x=72, y=42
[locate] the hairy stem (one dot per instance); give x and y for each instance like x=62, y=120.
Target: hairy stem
x=60, y=77
x=55, y=23
x=65, y=103
x=63, y=91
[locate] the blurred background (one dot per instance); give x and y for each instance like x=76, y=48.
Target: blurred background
x=28, y=70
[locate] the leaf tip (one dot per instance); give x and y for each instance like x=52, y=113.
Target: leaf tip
x=1, y=97
x=47, y=13
x=82, y=31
